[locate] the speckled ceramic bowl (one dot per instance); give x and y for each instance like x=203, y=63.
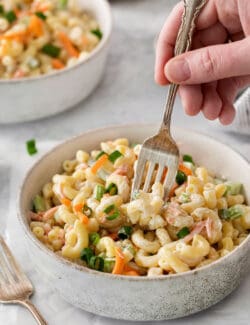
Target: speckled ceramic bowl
x=138, y=298
x=32, y=98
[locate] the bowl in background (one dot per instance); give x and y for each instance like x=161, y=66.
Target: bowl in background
x=32, y=98
x=138, y=298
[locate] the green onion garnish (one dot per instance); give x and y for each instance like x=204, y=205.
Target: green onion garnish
x=233, y=188
x=96, y=263
x=31, y=146
x=94, y=238
x=183, y=232
x=97, y=32
x=87, y=210
x=10, y=16
x=109, y=264
x=99, y=191
x=232, y=213
x=86, y=254
x=113, y=216
x=124, y=232
x=188, y=158
x=63, y=4
x=114, y=155
x=133, y=145
x=40, y=15
x=100, y=154
x=1, y=9
x=109, y=208
x=39, y=204
x=180, y=177
x=51, y=50
x=112, y=189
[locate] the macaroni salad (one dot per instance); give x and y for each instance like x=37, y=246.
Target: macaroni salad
x=85, y=215
x=41, y=36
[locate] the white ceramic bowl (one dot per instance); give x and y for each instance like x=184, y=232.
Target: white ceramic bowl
x=37, y=97
x=138, y=298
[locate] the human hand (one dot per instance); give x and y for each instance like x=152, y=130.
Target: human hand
x=212, y=73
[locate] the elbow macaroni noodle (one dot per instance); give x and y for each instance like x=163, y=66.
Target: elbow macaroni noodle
x=83, y=203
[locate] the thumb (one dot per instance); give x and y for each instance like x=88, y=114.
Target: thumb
x=210, y=63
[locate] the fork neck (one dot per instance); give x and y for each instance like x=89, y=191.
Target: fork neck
x=169, y=108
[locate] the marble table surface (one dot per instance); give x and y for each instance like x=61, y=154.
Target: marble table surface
x=127, y=93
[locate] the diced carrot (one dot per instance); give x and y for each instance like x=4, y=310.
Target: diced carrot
x=78, y=207
x=83, y=218
x=114, y=235
x=119, y=261
x=67, y=44
x=172, y=191
x=99, y=163
x=131, y=273
x=128, y=268
x=185, y=170
x=35, y=26
x=66, y=201
x=57, y=64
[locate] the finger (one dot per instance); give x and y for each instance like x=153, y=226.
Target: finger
x=212, y=103
x=192, y=98
x=210, y=63
x=166, y=42
x=208, y=16
x=215, y=34
x=227, y=114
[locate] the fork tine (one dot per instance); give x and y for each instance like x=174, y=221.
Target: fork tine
x=169, y=180
x=138, y=175
x=7, y=275
x=148, y=179
x=159, y=174
x=16, y=271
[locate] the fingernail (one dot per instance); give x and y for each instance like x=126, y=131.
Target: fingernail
x=177, y=70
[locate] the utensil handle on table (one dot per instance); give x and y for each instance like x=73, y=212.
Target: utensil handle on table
x=183, y=43
x=35, y=312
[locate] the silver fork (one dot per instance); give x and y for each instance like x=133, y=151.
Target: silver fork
x=15, y=287
x=161, y=151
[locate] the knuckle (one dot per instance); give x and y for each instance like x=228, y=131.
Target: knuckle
x=208, y=62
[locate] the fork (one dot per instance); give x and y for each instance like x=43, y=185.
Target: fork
x=160, y=152
x=15, y=287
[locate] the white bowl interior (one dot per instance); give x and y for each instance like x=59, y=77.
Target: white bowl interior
x=217, y=157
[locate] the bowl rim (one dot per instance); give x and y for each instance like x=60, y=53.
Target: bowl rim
x=96, y=51
x=87, y=270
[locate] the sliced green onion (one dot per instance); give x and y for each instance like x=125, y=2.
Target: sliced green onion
x=86, y=254
x=94, y=238
x=183, y=232
x=1, y=9
x=232, y=213
x=10, y=16
x=96, y=263
x=109, y=264
x=124, y=232
x=97, y=32
x=31, y=146
x=233, y=188
x=133, y=145
x=180, y=177
x=87, y=210
x=113, y=216
x=100, y=154
x=39, y=204
x=114, y=155
x=188, y=158
x=40, y=15
x=99, y=191
x=112, y=189
x=51, y=50
x=109, y=208
x=62, y=4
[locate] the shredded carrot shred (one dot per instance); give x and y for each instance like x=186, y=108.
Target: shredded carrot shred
x=78, y=207
x=67, y=44
x=66, y=202
x=35, y=26
x=119, y=261
x=114, y=235
x=185, y=170
x=133, y=273
x=172, y=191
x=128, y=268
x=57, y=64
x=83, y=218
x=99, y=163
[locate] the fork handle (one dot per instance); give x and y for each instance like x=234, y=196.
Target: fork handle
x=183, y=43
x=37, y=315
